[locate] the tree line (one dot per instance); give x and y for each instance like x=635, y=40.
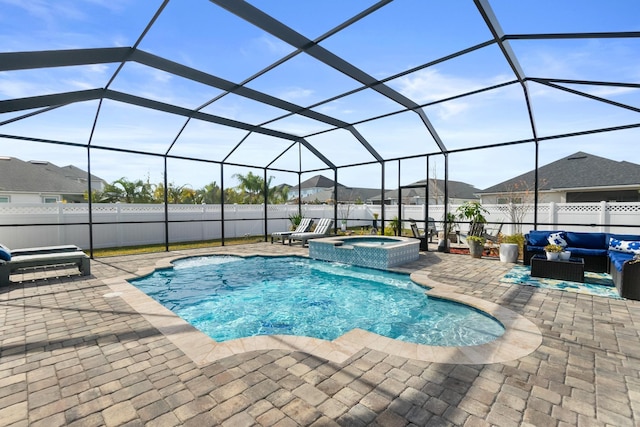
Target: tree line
x=250, y=190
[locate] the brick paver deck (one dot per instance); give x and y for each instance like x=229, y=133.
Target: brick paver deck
x=74, y=351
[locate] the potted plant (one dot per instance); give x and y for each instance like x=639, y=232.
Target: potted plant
x=553, y=251
x=345, y=208
x=510, y=247
x=444, y=237
x=375, y=220
x=295, y=220
x=476, y=245
x=395, y=225
x=475, y=214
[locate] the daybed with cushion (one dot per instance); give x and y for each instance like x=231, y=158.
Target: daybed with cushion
x=602, y=252
x=13, y=260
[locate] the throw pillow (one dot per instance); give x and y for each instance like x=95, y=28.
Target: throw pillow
x=5, y=253
x=629, y=246
x=557, y=239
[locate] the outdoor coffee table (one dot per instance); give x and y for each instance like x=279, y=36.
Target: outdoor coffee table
x=571, y=269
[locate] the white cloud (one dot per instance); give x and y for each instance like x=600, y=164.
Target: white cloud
x=15, y=88
x=273, y=45
x=451, y=109
x=296, y=93
x=430, y=85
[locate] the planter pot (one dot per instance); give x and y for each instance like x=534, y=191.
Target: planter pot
x=552, y=256
x=565, y=255
x=509, y=252
x=475, y=248
x=444, y=245
x=343, y=226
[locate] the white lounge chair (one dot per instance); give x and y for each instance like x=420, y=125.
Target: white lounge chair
x=43, y=256
x=44, y=250
x=322, y=230
x=305, y=224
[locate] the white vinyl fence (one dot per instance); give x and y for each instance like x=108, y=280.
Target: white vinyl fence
x=118, y=225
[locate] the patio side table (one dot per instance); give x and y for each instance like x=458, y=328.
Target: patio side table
x=571, y=269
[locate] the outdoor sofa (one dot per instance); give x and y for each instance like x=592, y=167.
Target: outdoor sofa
x=13, y=260
x=602, y=252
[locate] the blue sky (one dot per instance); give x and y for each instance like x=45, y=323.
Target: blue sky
x=398, y=37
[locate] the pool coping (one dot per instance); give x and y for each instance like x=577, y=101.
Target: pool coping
x=521, y=336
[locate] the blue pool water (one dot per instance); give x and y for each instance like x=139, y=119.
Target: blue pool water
x=372, y=241
x=230, y=297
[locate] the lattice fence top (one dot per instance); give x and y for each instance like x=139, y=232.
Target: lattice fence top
x=624, y=207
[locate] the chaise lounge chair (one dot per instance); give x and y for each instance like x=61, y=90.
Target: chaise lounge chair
x=304, y=226
x=43, y=250
x=13, y=260
x=322, y=230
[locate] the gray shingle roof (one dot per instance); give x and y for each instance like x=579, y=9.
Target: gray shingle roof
x=345, y=194
x=457, y=190
x=579, y=170
x=19, y=176
x=318, y=181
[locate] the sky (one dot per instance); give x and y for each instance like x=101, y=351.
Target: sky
x=393, y=43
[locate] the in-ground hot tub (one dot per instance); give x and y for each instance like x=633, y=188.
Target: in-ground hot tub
x=380, y=252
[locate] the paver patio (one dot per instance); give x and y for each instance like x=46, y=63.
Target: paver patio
x=76, y=351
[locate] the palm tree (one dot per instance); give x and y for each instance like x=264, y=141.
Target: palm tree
x=133, y=191
x=279, y=194
x=252, y=187
x=209, y=194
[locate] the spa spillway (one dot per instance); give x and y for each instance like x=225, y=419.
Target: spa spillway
x=379, y=252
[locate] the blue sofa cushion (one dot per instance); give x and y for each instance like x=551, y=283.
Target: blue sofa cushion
x=619, y=258
x=558, y=238
x=5, y=253
x=538, y=237
x=535, y=249
x=629, y=246
x=622, y=237
x=586, y=252
x=587, y=240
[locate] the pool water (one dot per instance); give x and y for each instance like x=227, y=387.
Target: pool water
x=372, y=241
x=230, y=297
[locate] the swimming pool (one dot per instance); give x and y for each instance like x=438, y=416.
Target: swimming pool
x=230, y=297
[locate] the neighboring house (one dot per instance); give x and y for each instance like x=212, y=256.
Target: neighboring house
x=345, y=195
x=43, y=182
x=580, y=177
x=320, y=189
x=311, y=186
x=415, y=193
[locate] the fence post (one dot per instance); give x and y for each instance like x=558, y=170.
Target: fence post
x=552, y=213
x=119, y=225
x=61, y=226
x=603, y=217
x=235, y=222
x=203, y=223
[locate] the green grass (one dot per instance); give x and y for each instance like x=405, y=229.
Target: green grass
x=144, y=249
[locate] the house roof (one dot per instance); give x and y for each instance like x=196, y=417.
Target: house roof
x=40, y=177
x=318, y=181
x=579, y=170
x=457, y=190
x=345, y=194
